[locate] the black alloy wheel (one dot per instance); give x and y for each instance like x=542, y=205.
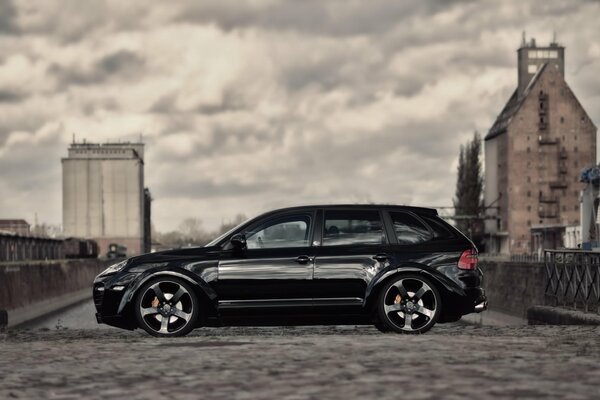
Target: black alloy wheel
x=409, y=304
x=167, y=307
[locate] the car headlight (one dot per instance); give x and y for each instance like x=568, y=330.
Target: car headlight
x=114, y=268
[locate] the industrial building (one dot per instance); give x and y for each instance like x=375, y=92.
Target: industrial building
x=104, y=198
x=534, y=153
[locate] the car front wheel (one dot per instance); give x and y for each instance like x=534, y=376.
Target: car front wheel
x=409, y=304
x=167, y=307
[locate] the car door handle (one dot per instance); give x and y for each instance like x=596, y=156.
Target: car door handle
x=381, y=257
x=303, y=259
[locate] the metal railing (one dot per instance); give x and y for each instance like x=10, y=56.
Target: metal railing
x=523, y=258
x=573, y=279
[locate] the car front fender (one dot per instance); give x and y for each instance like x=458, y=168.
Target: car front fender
x=197, y=283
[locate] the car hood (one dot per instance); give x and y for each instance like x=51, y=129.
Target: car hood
x=192, y=253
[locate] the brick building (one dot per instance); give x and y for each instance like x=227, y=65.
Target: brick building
x=18, y=226
x=533, y=155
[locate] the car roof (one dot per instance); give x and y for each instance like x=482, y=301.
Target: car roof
x=418, y=210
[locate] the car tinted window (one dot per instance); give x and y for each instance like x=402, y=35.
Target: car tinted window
x=352, y=227
x=409, y=230
x=291, y=231
x=439, y=228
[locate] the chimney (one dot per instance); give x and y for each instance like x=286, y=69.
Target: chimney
x=531, y=57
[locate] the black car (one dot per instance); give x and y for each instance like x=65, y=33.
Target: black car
x=400, y=268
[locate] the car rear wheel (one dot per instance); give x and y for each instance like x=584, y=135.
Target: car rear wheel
x=409, y=304
x=167, y=307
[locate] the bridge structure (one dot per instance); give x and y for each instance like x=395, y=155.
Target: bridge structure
x=17, y=247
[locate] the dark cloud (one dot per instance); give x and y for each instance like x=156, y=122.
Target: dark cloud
x=195, y=187
x=335, y=18
x=122, y=64
x=231, y=100
x=8, y=16
x=9, y=96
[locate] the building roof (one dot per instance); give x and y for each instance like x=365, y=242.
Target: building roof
x=512, y=106
x=13, y=222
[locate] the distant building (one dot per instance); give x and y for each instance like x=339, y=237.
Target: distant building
x=18, y=226
x=533, y=155
x=104, y=196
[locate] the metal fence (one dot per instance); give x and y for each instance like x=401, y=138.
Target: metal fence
x=573, y=279
x=523, y=258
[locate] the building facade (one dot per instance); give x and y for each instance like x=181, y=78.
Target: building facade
x=534, y=153
x=104, y=197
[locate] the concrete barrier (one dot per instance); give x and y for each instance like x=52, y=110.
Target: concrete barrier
x=545, y=315
x=30, y=289
x=513, y=287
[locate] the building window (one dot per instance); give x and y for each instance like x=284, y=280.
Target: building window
x=576, y=207
x=564, y=208
x=528, y=179
x=575, y=149
x=531, y=68
x=528, y=149
x=529, y=193
x=528, y=222
x=528, y=208
x=562, y=120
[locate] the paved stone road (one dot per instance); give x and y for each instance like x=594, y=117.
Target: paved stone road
x=452, y=361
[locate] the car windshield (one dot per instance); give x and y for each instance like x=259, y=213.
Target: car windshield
x=229, y=232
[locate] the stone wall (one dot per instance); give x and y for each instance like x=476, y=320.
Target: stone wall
x=513, y=287
x=28, y=282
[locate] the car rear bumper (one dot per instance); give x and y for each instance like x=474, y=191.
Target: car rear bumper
x=481, y=304
x=476, y=301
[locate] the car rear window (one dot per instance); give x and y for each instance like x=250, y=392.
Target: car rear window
x=409, y=230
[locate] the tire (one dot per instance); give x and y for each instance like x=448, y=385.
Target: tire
x=410, y=295
x=381, y=327
x=161, y=316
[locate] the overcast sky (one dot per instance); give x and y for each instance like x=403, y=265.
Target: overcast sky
x=248, y=106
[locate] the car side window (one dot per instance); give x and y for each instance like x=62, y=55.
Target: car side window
x=409, y=230
x=439, y=228
x=292, y=231
x=353, y=227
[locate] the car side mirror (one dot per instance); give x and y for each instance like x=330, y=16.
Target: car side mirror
x=238, y=241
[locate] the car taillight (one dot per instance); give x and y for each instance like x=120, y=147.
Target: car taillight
x=468, y=259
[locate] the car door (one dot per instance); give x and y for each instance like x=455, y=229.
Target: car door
x=275, y=269
x=352, y=251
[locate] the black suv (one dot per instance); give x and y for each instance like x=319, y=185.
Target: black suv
x=400, y=268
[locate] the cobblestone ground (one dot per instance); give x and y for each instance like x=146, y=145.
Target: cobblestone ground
x=452, y=361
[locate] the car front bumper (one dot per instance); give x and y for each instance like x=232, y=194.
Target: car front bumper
x=108, y=294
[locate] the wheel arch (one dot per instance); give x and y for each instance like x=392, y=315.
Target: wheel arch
x=205, y=294
x=444, y=288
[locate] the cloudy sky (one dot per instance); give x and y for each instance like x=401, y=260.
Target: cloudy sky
x=247, y=106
